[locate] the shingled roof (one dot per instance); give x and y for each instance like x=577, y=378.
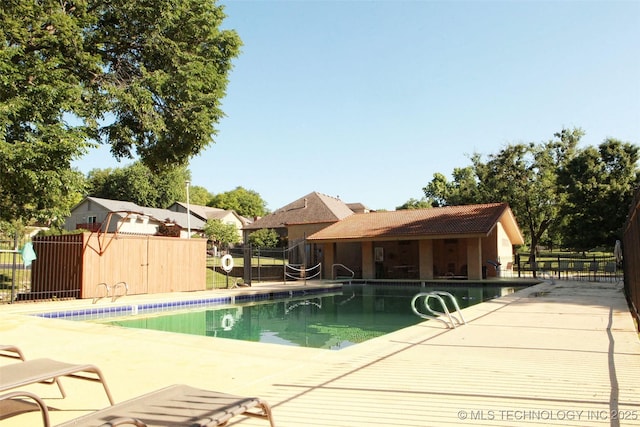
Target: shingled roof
x=162, y=215
x=207, y=212
x=445, y=222
x=313, y=208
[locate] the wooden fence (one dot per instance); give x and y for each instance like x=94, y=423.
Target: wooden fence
x=89, y=265
x=631, y=258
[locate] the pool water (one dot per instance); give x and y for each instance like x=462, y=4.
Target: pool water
x=329, y=320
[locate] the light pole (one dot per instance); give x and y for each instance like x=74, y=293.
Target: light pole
x=188, y=213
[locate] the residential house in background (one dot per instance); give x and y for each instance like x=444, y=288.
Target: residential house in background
x=301, y=218
x=123, y=217
x=205, y=213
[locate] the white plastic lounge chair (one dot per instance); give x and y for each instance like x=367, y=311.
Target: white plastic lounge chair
x=176, y=405
x=34, y=371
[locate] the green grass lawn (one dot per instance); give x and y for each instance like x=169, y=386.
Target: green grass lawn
x=218, y=280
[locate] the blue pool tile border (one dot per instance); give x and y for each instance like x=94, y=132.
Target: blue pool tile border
x=95, y=313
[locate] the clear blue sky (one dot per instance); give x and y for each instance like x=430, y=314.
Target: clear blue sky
x=366, y=100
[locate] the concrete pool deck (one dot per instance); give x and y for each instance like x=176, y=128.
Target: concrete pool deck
x=553, y=354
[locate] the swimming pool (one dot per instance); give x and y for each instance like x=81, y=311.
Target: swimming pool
x=328, y=320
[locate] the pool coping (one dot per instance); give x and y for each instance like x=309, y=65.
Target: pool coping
x=133, y=309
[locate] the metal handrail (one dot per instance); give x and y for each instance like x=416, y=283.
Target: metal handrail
x=97, y=298
x=116, y=286
x=333, y=270
x=303, y=272
x=435, y=314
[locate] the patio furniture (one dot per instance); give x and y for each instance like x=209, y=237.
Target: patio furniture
x=35, y=371
x=563, y=267
x=44, y=411
x=176, y=405
x=610, y=271
x=594, y=266
x=12, y=351
x=578, y=268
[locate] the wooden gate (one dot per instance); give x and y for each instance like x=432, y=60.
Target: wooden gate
x=86, y=265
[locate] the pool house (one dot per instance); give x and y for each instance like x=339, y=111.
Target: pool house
x=470, y=242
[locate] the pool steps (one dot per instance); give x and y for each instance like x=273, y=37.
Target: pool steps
x=450, y=320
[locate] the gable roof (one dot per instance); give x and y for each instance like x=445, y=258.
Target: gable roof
x=358, y=208
x=162, y=215
x=207, y=212
x=202, y=212
x=311, y=209
x=449, y=221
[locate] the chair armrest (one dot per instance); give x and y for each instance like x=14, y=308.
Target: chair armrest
x=41, y=405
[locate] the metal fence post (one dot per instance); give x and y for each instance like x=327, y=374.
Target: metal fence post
x=13, y=268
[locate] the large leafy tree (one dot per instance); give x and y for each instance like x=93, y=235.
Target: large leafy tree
x=199, y=195
x=264, y=238
x=247, y=203
x=464, y=189
x=138, y=184
x=166, y=66
x=415, y=204
x=220, y=233
x=523, y=175
x=145, y=77
x=599, y=184
x=45, y=77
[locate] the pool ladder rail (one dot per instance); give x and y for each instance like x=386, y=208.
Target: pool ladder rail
x=108, y=289
x=444, y=316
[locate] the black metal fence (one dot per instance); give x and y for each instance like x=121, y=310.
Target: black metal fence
x=269, y=264
x=251, y=264
x=30, y=272
x=586, y=267
x=15, y=270
x=631, y=258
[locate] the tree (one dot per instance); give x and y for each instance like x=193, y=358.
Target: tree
x=415, y=204
x=221, y=234
x=138, y=184
x=199, y=195
x=244, y=202
x=44, y=78
x=464, y=189
x=166, y=69
x=523, y=175
x=599, y=184
x=264, y=238
x=145, y=77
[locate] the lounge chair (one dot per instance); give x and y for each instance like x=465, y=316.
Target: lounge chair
x=578, y=268
x=176, y=405
x=610, y=271
x=594, y=266
x=563, y=267
x=14, y=352
x=11, y=351
x=35, y=371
